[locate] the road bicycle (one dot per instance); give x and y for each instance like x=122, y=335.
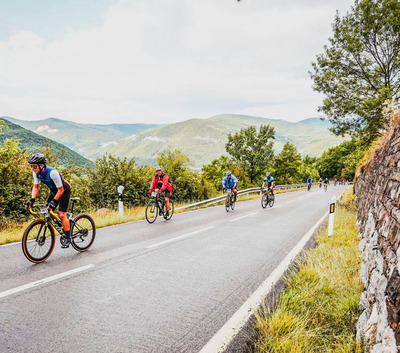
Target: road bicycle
x=308, y=186
x=325, y=187
x=39, y=237
x=267, y=198
x=157, y=206
x=230, y=200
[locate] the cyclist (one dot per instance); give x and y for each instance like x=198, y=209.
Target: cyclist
x=230, y=182
x=60, y=190
x=320, y=182
x=309, y=182
x=162, y=183
x=335, y=181
x=326, y=183
x=270, y=182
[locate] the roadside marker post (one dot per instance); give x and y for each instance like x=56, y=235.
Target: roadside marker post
x=120, y=190
x=332, y=206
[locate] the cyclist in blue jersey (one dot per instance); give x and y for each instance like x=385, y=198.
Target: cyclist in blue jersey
x=309, y=183
x=269, y=181
x=60, y=190
x=230, y=182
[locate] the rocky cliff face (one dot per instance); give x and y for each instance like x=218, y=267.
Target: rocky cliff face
x=378, y=207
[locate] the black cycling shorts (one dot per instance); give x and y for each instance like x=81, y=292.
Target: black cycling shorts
x=167, y=193
x=63, y=201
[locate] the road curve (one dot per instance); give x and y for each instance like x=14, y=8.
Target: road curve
x=165, y=287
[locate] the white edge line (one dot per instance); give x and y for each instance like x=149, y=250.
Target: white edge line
x=232, y=327
x=248, y=215
x=43, y=281
x=9, y=244
x=177, y=238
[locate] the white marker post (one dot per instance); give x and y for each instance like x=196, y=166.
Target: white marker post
x=120, y=190
x=332, y=206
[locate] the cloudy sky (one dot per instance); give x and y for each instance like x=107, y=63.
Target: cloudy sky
x=159, y=61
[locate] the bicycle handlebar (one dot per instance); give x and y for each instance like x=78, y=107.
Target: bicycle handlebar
x=42, y=208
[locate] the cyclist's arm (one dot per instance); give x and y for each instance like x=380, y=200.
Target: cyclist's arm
x=56, y=177
x=152, y=184
x=164, y=183
x=35, y=191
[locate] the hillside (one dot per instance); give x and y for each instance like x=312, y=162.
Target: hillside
x=204, y=139
x=86, y=139
x=33, y=142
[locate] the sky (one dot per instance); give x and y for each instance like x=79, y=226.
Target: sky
x=161, y=61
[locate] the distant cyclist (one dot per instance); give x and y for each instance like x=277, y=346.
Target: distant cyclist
x=60, y=190
x=230, y=182
x=326, y=183
x=320, y=182
x=309, y=183
x=269, y=182
x=162, y=183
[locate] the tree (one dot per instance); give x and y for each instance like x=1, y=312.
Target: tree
x=360, y=70
x=252, y=151
x=288, y=165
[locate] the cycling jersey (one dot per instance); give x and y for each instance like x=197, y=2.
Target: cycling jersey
x=228, y=183
x=52, y=178
x=269, y=180
x=161, y=182
x=309, y=180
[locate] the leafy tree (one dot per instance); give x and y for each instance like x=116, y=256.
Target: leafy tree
x=15, y=181
x=215, y=171
x=288, y=165
x=360, y=70
x=251, y=150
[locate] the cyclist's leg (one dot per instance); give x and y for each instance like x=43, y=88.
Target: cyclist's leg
x=167, y=196
x=63, y=203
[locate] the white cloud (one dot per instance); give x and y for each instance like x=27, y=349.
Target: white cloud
x=170, y=60
x=47, y=128
x=154, y=138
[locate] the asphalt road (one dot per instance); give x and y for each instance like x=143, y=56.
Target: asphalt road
x=162, y=287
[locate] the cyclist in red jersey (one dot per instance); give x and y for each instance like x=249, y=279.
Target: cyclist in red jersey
x=162, y=183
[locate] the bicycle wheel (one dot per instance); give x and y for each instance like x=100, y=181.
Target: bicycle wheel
x=151, y=211
x=264, y=200
x=227, y=204
x=271, y=200
x=233, y=205
x=38, y=241
x=83, y=232
x=171, y=210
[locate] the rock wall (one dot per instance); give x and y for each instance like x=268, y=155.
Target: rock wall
x=378, y=213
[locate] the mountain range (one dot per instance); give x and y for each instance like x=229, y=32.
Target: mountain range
x=201, y=139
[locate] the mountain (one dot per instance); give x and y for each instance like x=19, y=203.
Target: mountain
x=86, y=139
x=33, y=142
x=204, y=139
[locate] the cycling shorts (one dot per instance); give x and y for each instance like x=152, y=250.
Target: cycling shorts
x=63, y=200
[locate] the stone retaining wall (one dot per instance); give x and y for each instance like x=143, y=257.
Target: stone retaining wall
x=378, y=212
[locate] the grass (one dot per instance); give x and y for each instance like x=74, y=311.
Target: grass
x=13, y=232
x=318, y=310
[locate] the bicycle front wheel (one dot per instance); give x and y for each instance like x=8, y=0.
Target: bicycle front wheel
x=171, y=210
x=38, y=241
x=83, y=232
x=151, y=211
x=264, y=200
x=227, y=204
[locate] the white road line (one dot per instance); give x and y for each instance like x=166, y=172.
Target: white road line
x=9, y=244
x=178, y=238
x=43, y=281
x=220, y=341
x=248, y=215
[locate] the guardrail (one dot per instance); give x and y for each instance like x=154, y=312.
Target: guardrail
x=240, y=192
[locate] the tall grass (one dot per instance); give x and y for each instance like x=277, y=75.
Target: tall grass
x=318, y=310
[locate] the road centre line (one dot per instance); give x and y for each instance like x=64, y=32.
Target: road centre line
x=44, y=281
x=248, y=215
x=178, y=238
x=220, y=341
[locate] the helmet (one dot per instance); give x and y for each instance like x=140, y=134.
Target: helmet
x=268, y=174
x=158, y=168
x=37, y=158
x=228, y=173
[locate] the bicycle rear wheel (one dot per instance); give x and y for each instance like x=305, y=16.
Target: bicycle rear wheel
x=83, y=232
x=171, y=210
x=264, y=200
x=151, y=211
x=271, y=200
x=233, y=203
x=38, y=241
